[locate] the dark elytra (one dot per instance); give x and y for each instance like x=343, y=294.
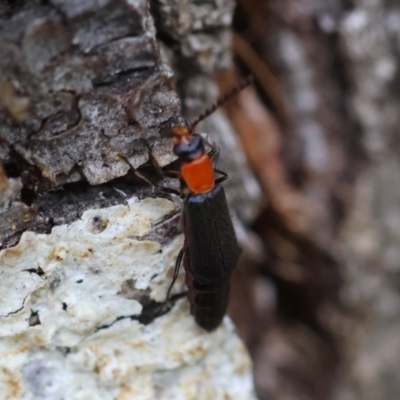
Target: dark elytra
x=211, y=253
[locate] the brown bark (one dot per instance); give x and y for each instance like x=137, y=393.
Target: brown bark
x=330, y=174
x=83, y=86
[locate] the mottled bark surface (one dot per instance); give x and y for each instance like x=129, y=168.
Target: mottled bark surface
x=316, y=296
x=88, y=248
x=82, y=85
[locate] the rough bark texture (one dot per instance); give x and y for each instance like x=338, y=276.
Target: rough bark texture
x=83, y=83
x=89, y=250
x=93, y=86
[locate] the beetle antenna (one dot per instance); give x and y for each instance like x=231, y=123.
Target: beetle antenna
x=246, y=82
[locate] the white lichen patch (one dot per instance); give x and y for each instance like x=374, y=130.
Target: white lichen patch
x=68, y=323
x=72, y=277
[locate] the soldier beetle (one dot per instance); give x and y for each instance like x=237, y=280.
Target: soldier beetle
x=210, y=252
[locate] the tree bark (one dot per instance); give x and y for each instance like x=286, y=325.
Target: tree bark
x=88, y=250
x=330, y=170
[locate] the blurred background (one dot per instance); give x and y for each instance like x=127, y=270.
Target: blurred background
x=320, y=130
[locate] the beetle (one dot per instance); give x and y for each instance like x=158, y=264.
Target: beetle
x=210, y=252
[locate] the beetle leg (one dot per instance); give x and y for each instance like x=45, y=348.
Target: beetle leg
x=176, y=272
x=154, y=161
x=172, y=174
x=172, y=191
x=224, y=176
x=214, y=152
x=136, y=172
